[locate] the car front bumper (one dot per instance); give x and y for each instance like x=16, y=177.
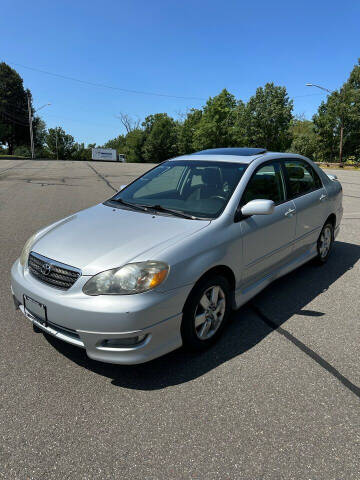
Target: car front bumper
x=91, y=322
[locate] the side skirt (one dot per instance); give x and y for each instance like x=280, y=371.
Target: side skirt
x=242, y=296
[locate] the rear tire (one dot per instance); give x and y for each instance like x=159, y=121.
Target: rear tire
x=325, y=243
x=206, y=313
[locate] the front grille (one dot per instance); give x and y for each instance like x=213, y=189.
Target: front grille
x=51, y=272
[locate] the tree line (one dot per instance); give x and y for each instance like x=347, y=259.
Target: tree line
x=265, y=120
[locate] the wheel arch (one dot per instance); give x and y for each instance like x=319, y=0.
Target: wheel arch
x=332, y=219
x=221, y=270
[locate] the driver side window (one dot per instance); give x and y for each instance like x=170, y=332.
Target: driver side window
x=267, y=183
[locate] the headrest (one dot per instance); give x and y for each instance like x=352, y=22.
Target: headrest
x=295, y=172
x=211, y=176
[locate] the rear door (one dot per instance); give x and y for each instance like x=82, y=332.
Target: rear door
x=267, y=239
x=310, y=197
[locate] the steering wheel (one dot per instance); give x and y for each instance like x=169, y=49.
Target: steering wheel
x=219, y=197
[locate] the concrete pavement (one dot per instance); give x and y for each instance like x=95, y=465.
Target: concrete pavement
x=276, y=398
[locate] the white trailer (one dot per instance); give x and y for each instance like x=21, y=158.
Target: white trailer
x=107, y=154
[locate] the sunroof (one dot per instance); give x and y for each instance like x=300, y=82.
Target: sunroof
x=242, y=152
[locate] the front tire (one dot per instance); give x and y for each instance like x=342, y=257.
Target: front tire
x=36, y=329
x=325, y=243
x=206, y=313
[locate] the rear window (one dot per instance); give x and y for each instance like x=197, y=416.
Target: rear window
x=302, y=178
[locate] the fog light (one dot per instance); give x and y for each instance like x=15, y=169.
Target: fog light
x=123, y=342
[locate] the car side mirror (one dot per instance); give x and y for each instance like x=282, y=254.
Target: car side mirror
x=258, y=207
x=122, y=187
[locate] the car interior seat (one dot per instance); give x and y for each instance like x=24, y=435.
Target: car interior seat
x=211, y=184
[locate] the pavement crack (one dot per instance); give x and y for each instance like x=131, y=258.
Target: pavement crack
x=102, y=177
x=10, y=168
x=308, y=351
x=46, y=184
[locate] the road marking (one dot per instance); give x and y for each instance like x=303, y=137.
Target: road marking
x=102, y=177
x=10, y=168
x=307, y=350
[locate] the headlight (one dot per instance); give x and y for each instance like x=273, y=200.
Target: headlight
x=132, y=278
x=27, y=249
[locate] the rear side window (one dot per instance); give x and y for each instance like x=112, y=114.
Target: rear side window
x=266, y=184
x=301, y=177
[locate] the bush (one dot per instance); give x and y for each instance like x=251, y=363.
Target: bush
x=22, y=151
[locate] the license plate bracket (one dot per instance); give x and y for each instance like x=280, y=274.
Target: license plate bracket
x=36, y=310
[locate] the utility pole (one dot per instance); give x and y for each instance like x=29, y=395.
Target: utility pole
x=56, y=143
x=341, y=141
x=31, y=127
x=31, y=123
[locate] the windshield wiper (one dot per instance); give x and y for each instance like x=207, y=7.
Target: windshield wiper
x=158, y=208
x=136, y=206
x=177, y=213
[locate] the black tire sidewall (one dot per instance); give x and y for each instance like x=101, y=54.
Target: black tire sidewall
x=321, y=260
x=188, y=334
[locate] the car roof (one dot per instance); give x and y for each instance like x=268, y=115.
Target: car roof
x=241, y=155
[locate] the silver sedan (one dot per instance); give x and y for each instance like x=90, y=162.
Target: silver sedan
x=164, y=261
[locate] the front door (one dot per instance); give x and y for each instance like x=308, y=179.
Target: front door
x=267, y=239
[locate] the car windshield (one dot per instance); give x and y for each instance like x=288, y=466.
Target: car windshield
x=197, y=188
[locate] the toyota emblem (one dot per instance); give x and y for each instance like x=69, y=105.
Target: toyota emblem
x=46, y=269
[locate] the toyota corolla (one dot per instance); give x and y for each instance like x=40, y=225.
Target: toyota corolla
x=164, y=261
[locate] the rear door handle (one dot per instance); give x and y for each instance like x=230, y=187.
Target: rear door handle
x=290, y=212
x=322, y=197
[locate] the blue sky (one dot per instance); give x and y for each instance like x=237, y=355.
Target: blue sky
x=182, y=48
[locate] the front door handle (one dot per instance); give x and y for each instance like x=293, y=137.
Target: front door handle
x=322, y=197
x=290, y=212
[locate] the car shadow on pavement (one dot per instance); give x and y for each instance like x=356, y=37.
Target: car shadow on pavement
x=285, y=297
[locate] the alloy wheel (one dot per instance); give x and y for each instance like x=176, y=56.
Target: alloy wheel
x=210, y=312
x=325, y=241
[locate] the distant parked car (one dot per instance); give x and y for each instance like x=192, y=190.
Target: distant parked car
x=163, y=262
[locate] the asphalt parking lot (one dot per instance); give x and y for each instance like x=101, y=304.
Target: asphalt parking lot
x=276, y=398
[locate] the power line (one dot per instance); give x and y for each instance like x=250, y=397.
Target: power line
x=85, y=122
x=308, y=95
x=14, y=118
x=126, y=90
x=110, y=87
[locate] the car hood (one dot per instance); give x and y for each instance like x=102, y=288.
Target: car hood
x=103, y=237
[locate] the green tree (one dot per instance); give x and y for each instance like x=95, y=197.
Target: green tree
x=352, y=135
x=216, y=126
x=117, y=143
x=267, y=118
x=14, y=123
x=240, y=131
x=160, y=143
x=39, y=129
x=186, y=131
x=304, y=138
x=337, y=121
x=134, y=142
x=60, y=144
x=22, y=151
x=80, y=152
